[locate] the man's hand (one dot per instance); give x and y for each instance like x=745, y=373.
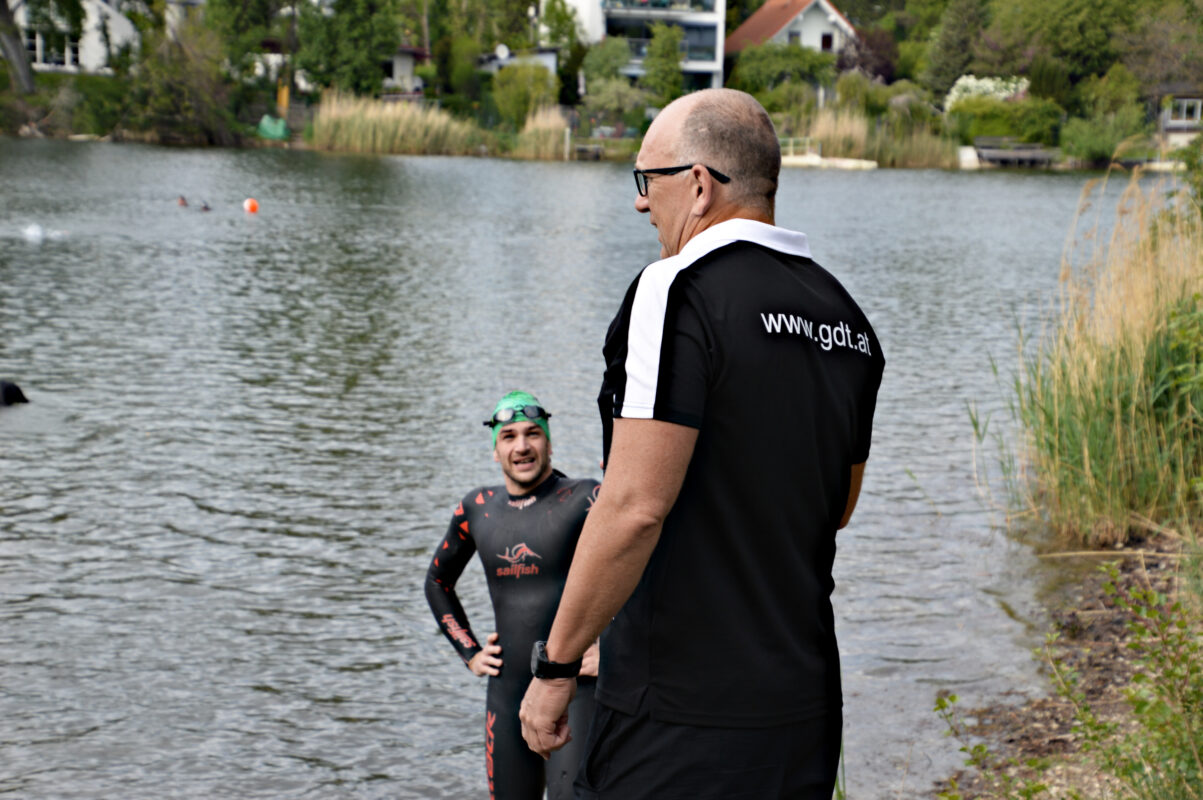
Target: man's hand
x=487, y=661
x=544, y=714
x=591, y=660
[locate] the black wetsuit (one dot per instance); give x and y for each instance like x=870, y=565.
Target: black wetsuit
x=526, y=545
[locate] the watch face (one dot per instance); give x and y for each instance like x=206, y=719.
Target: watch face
x=537, y=654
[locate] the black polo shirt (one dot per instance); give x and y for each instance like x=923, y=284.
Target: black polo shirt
x=745, y=338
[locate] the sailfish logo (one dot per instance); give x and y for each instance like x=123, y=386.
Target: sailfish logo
x=516, y=557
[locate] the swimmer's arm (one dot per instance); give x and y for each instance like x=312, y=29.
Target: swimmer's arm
x=447, y=564
x=858, y=475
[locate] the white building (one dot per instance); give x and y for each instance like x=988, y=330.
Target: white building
x=815, y=24
x=702, y=21
x=85, y=54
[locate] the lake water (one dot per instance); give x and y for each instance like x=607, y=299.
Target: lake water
x=247, y=434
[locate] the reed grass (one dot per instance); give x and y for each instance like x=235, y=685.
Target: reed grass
x=1110, y=401
x=542, y=136
x=358, y=125
x=842, y=134
x=850, y=133
x=917, y=149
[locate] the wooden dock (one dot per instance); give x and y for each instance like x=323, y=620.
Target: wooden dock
x=1006, y=151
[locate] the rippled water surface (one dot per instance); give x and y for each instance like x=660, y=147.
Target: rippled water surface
x=247, y=433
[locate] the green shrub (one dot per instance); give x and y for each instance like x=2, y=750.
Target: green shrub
x=1096, y=140
x=520, y=89
x=1032, y=120
x=103, y=103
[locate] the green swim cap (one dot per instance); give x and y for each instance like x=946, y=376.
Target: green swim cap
x=518, y=407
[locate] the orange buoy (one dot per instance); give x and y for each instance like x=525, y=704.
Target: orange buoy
x=250, y=205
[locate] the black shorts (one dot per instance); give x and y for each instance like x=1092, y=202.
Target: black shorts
x=632, y=757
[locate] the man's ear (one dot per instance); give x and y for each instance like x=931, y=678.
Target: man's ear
x=703, y=196
x=496, y=457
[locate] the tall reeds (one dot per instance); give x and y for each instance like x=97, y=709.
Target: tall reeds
x=1111, y=400
x=359, y=125
x=850, y=133
x=542, y=136
x=842, y=134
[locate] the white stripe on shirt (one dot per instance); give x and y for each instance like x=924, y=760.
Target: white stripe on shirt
x=646, y=331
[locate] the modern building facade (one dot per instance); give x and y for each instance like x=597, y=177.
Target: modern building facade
x=702, y=21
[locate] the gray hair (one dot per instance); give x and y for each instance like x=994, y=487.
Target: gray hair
x=731, y=132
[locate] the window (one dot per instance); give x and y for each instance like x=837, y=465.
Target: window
x=828, y=42
x=43, y=52
x=795, y=37
x=1186, y=111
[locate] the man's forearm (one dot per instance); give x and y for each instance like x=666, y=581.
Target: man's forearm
x=648, y=461
x=613, y=550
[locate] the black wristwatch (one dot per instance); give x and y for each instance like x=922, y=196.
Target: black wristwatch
x=540, y=667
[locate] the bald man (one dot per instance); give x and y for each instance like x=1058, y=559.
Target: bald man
x=737, y=409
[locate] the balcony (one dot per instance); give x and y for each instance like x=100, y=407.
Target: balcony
x=688, y=52
x=680, y=6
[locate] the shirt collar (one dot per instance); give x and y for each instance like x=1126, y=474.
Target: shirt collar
x=748, y=230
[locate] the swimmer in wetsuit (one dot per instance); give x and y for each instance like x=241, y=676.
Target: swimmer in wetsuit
x=525, y=532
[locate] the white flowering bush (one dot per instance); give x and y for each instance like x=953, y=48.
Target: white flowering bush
x=997, y=88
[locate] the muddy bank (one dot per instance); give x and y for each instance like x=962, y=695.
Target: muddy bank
x=1092, y=638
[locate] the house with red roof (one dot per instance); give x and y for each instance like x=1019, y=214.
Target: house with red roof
x=816, y=24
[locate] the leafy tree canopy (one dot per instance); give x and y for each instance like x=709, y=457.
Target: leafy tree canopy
x=763, y=67
x=662, y=65
x=606, y=58
x=345, y=47
x=521, y=89
x=560, y=21
x=951, y=53
x=1166, y=48
x=614, y=97
x=242, y=25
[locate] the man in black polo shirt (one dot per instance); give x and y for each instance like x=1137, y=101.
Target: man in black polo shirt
x=737, y=409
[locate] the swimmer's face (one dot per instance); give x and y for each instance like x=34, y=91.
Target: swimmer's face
x=524, y=453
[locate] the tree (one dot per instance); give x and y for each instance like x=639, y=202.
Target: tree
x=179, y=91
x=863, y=13
x=873, y=51
x=662, y=76
x=56, y=20
x=1084, y=33
x=243, y=25
x=1166, y=48
x=520, y=89
x=762, y=67
x=563, y=28
x=614, y=98
x=606, y=58
x=952, y=51
x=345, y=46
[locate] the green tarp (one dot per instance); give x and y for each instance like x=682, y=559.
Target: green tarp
x=272, y=128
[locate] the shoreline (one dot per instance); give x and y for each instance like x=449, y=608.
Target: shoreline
x=1091, y=640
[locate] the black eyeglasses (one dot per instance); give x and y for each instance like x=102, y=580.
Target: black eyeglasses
x=507, y=415
x=641, y=176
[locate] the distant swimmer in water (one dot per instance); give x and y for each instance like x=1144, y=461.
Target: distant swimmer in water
x=11, y=394
x=205, y=205
x=183, y=201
